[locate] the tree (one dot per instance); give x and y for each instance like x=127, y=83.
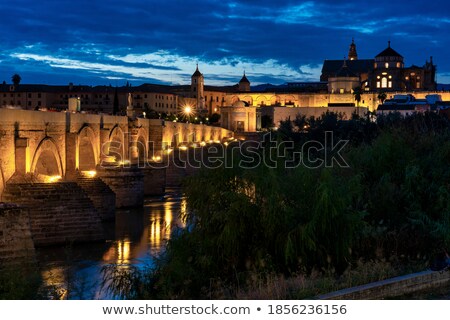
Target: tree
x=16, y=79
x=382, y=96
x=357, y=92
x=215, y=117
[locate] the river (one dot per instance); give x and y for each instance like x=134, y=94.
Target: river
x=134, y=238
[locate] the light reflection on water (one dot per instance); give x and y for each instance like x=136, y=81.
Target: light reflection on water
x=134, y=238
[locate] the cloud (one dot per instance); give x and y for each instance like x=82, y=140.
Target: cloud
x=162, y=40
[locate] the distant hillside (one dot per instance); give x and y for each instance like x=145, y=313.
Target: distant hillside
x=443, y=87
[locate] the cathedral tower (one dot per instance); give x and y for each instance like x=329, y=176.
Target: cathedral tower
x=352, y=55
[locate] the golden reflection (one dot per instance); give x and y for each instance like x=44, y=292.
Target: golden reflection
x=183, y=212
x=168, y=216
x=123, y=251
x=155, y=233
x=55, y=280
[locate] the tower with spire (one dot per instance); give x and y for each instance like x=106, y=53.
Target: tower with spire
x=352, y=54
x=197, y=87
x=244, y=84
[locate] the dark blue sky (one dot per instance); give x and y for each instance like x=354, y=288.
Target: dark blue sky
x=103, y=42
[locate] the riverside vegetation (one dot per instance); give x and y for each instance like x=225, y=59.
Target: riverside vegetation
x=265, y=233
x=294, y=233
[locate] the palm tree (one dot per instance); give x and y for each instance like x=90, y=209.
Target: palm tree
x=16, y=79
x=357, y=92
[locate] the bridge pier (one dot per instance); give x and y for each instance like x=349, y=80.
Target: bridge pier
x=126, y=182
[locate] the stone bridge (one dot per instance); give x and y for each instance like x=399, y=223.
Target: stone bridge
x=61, y=174
x=56, y=145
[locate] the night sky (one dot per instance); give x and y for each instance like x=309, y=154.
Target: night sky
x=145, y=41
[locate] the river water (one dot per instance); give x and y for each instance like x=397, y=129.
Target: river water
x=134, y=238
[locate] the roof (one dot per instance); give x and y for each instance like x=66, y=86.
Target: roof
x=197, y=73
x=331, y=67
x=346, y=72
x=244, y=79
x=389, y=52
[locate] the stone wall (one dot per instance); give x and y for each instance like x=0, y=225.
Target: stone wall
x=16, y=244
x=281, y=113
x=154, y=180
x=101, y=195
x=58, y=212
x=423, y=281
x=127, y=182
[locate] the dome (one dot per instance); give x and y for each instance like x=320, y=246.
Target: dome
x=239, y=104
x=345, y=72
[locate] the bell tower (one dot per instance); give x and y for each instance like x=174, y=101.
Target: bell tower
x=244, y=84
x=197, y=84
x=352, y=55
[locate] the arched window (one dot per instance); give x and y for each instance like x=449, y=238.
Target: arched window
x=384, y=82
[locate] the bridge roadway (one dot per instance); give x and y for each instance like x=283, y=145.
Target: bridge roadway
x=48, y=146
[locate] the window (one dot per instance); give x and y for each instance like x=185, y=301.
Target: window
x=29, y=103
x=390, y=84
x=418, y=85
x=29, y=95
x=39, y=95
x=398, y=65
x=341, y=90
x=39, y=103
x=378, y=84
x=384, y=82
x=386, y=65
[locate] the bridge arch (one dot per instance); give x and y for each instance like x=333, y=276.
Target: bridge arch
x=47, y=159
x=142, y=144
x=2, y=182
x=87, y=149
x=116, y=144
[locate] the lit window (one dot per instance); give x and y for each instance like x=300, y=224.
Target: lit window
x=398, y=65
x=378, y=77
x=418, y=85
x=341, y=90
x=390, y=84
x=378, y=84
x=384, y=82
x=418, y=78
x=407, y=78
x=386, y=65
x=390, y=77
